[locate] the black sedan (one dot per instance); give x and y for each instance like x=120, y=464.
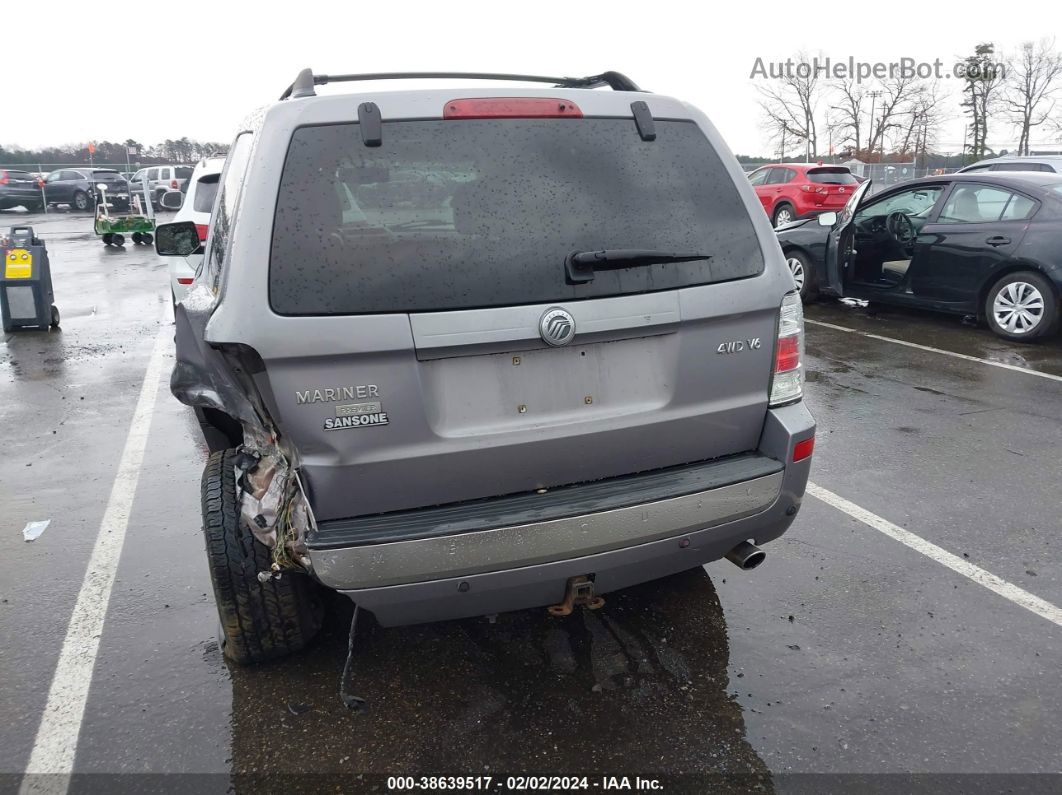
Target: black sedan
x=979, y=244
x=79, y=188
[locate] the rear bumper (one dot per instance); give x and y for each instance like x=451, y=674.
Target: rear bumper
x=444, y=575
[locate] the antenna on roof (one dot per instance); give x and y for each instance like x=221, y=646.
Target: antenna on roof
x=303, y=85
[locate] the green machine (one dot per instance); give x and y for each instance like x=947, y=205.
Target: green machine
x=26, y=282
x=113, y=228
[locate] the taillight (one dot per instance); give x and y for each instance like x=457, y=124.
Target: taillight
x=511, y=108
x=202, y=230
x=814, y=188
x=3, y=177
x=787, y=379
x=174, y=185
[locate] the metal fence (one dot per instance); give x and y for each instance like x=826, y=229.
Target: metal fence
x=44, y=168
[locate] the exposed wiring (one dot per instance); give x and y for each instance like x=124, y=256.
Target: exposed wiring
x=350, y=701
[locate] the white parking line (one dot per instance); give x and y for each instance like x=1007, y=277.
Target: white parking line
x=1002, y=365
x=52, y=759
x=998, y=585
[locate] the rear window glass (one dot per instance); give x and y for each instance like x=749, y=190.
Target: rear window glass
x=831, y=176
x=183, y=172
x=205, y=191
x=106, y=174
x=477, y=213
x=1021, y=167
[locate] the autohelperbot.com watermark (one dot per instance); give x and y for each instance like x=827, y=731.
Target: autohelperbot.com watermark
x=851, y=68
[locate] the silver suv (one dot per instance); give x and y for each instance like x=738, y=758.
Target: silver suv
x=161, y=179
x=462, y=351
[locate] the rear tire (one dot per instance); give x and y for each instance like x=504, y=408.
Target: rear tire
x=260, y=621
x=803, y=270
x=783, y=214
x=1022, y=307
x=81, y=201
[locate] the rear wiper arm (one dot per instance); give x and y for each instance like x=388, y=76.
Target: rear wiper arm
x=580, y=265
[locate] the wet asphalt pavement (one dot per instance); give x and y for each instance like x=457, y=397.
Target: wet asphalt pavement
x=846, y=652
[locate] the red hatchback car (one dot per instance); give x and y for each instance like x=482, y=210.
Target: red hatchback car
x=791, y=191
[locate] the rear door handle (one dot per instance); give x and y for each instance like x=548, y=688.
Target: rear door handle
x=998, y=240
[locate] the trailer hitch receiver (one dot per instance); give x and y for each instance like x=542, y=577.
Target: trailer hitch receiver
x=579, y=591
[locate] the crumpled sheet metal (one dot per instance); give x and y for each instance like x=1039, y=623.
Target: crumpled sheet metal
x=204, y=377
x=201, y=376
x=270, y=491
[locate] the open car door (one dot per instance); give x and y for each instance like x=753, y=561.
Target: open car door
x=839, y=248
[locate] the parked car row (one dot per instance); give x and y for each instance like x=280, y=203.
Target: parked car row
x=78, y=187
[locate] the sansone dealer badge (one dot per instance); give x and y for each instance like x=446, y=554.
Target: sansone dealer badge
x=356, y=415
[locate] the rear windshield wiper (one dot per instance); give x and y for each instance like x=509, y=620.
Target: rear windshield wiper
x=580, y=265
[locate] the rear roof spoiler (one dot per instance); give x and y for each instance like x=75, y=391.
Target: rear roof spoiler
x=305, y=82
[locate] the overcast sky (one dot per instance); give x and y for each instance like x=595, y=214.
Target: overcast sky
x=205, y=65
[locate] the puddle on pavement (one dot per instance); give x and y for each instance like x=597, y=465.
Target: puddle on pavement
x=639, y=686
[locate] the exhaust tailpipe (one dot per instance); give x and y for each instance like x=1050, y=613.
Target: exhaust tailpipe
x=746, y=556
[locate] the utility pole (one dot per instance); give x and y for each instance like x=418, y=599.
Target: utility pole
x=870, y=144
x=925, y=143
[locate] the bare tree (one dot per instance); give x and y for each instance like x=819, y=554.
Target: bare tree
x=896, y=95
x=849, y=94
x=790, y=103
x=1031, y=81
x=923, y=116
x=983, y=80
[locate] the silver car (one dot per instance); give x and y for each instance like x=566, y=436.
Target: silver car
x=1049, y=163
x=461, y=351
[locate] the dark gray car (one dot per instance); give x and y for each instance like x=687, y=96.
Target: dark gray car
x=20, y=189
x=79, y=188
x=461, y=352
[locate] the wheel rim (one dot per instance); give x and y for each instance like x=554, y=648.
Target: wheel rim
x=796, y=267
x=81, y=201
x=784, y=216
x=1018, y=308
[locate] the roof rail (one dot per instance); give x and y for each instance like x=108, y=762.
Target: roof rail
x=305, y=82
